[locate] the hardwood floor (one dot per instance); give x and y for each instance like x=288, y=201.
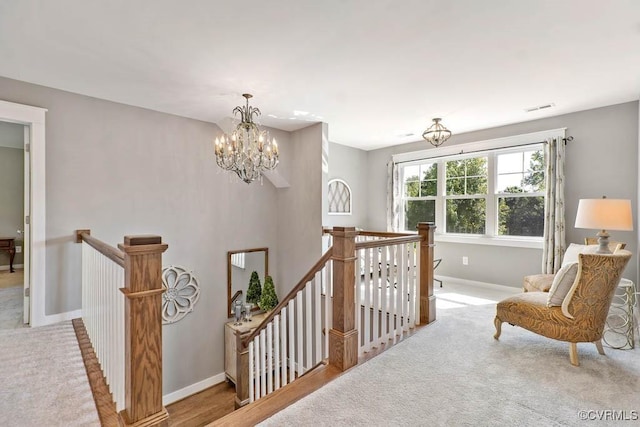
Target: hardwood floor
x=204, y=407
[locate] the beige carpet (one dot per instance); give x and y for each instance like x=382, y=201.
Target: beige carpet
x=454, y=373
x=43, y=381
x=9, y=280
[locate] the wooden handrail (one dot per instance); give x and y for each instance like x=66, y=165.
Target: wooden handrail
x=383, y=234
x=141, y=258
x=326, y=230
x=413, y=238
x=301, y=284
x=114, y=254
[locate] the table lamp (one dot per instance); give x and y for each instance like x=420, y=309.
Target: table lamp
x=604, y=214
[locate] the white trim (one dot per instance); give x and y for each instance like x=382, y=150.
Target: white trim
x=6, y=267
x=489, y=144
x=34, y=117
x=60, y=317
x=187, y=391
x=455, y=280
x=516, y=242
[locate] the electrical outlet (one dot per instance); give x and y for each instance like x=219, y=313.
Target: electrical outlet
x=465, y=260
x=18, y=249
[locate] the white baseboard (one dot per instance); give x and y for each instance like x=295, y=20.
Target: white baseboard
x=485, y=285
x=174, y=396
x=61, y=317
x=6, y=267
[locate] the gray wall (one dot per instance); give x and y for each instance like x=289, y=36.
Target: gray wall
x=300, y=214
x=350, y=165
x=11, y=196
x=601, y=160
x=122, y=170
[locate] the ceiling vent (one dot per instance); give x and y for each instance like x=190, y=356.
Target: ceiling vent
x=539, y=107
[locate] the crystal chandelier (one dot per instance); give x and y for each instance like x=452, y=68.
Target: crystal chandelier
x=248, y=151
x=436, y=134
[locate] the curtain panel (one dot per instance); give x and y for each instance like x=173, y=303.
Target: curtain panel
x=393, y=197
x=554, y=218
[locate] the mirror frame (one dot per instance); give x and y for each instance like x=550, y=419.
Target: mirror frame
x=229, y=284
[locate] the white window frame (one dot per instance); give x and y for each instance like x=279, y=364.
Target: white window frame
x=488, y=148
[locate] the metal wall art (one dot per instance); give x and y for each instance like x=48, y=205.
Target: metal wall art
x=182, y=292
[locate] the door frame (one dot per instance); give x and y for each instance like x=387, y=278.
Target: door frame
x=34, y=119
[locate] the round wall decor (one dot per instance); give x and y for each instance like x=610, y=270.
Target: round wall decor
x=182, y=292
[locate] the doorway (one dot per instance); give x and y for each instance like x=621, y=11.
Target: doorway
x=32, y=120
x=14, y=248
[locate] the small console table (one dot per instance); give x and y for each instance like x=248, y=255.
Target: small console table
x=8, y=244
x=230, y=342
x=619, y=330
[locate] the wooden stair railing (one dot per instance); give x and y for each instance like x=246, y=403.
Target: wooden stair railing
x=342, y=342
x=140, y=257
x=280, y=322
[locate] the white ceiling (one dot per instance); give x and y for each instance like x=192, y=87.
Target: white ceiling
x=372, y=69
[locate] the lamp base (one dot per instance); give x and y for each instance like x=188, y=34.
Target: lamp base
x=603, y=242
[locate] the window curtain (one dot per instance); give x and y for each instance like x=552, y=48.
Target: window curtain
x=393, y=197
x=554, y=222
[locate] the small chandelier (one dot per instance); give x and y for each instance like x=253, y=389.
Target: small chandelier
x=248, y=151
x=436, y=134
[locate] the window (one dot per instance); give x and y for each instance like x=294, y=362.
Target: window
x=496, y=193
x=466, y=195
x=520, y=193
x=420, y=190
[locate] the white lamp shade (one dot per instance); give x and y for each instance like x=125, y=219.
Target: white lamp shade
x=604, y=214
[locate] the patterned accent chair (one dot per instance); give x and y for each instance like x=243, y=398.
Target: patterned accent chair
x=583, y=313
x=542, y=282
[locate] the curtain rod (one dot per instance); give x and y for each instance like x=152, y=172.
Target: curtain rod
x=567, y=139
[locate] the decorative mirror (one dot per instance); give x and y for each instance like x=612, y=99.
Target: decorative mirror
x=240, y=265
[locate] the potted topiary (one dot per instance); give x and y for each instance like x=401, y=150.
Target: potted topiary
x=269, y=299
x=255, y=289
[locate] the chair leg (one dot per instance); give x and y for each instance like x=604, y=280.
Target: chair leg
x=498, y=324
x=573, y=354
x=599, y=347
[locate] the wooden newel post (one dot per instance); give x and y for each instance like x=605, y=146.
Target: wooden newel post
x=427, y=298
x=143, y=331
x=242, y=370
x=343, y=337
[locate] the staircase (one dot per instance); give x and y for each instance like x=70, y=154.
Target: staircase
x=368, y=291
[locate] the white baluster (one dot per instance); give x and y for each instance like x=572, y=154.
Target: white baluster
x=308, y=324
x=368, y=279
x=317, y=324
x=358, y=295
x=375, y=289
x=405, y=287
x=393, y=282
x=251, y=372
x=276, y=352
x=283, y=337
x=269, y=357
x=412, y=284
x=292, y=342
x=263, y=368
x=384, y=292
x=257, y=368
x=300, y=328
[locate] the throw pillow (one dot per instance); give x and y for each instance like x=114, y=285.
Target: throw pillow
x=562, y=282
x=571, y=254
